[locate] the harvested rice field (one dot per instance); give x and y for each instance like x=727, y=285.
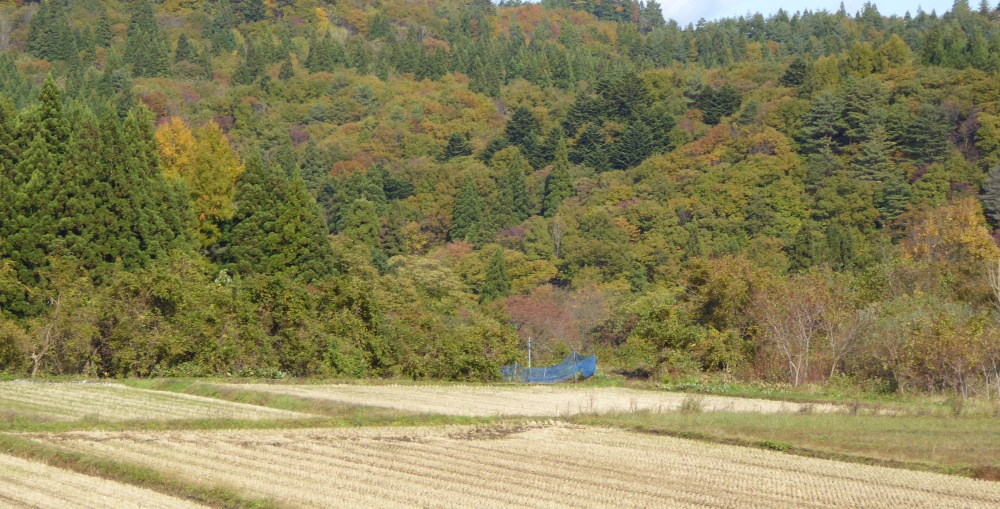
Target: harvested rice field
x=529, y=401
x=27, y=484
x=555, y=465
x=113, y=402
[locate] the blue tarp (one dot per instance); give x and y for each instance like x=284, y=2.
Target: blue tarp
x=565, y=370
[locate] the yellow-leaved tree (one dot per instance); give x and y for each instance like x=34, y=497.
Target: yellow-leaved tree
x=206, y=163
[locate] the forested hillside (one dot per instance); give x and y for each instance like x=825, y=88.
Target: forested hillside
x=388, y=188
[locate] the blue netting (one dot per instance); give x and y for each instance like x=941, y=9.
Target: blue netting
x=565, y=370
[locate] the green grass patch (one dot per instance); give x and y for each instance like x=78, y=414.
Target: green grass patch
x=144, y=477
x=962, y=446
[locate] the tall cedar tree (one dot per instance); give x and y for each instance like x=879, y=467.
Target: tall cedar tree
x=559, y=184
x=457, y=146
x=523, y=130
x=636, y=144
x=145, y=49
x=277, y=228
x=49, y=34
x=497, y=283
x=184, y=50
x=468, y=213
x=220, y=30
x=254, y=10
x=516, y=181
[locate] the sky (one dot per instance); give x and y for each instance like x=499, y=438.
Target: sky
x=690, y=11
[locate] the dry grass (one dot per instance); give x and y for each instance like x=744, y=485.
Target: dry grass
x=966, y=445
x=28, y=484
x=527, y=466
x=531, y=401
x=107, y=402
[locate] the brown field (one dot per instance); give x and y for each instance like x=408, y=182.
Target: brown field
x=530, y=401
x=27, y=484
x=113, y=402
x=510, y=466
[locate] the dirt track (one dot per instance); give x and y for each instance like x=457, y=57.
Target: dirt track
x=532, y=401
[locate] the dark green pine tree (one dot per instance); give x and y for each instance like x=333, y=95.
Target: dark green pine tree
x=380, y=27
x=47, y=121
x=325, y=54
x=49, y=34
x=840, y=246
x=635, y=145
x=559, y=185
x=252, y=239
x=251, y=67
x=184, y=50
x=457, y=146
x=796, y=73
x=148, y=53
x=103, y=36
x=220, y=30
x=927, y=135
x=660, y=123
x=893, y=197
x=468, y=213
x=824, y=125
x=805, y=248
x=254, y=10
x=523, y=130
x=719, y=103
x=497, y=283
x=991, y=196
x=873, y=162
x=590, y=140
x=306, y=250
x=277, y=228
x=8, y=140
x=361, y=223
x=516, y=181
x=33, y=233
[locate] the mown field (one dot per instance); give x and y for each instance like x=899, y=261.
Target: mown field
x=288, y=446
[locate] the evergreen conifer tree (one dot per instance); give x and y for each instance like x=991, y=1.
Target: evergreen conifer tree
x=254, y=10
x=277, y=228
x=720, y=103
x=874, y=162
x=635, y=146
x=184, y=51
x=457, y=146
x=927, y=135
x=559, y=185
x=497, y=283
x=148, y=53
x=220, y=30
x=516, y=181
x=795, y=74
x=468, y=213
x=103, y=35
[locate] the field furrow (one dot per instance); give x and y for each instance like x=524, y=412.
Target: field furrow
x=27, y=484
x=533, y=466
x=533, y=401
x=113, y=402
